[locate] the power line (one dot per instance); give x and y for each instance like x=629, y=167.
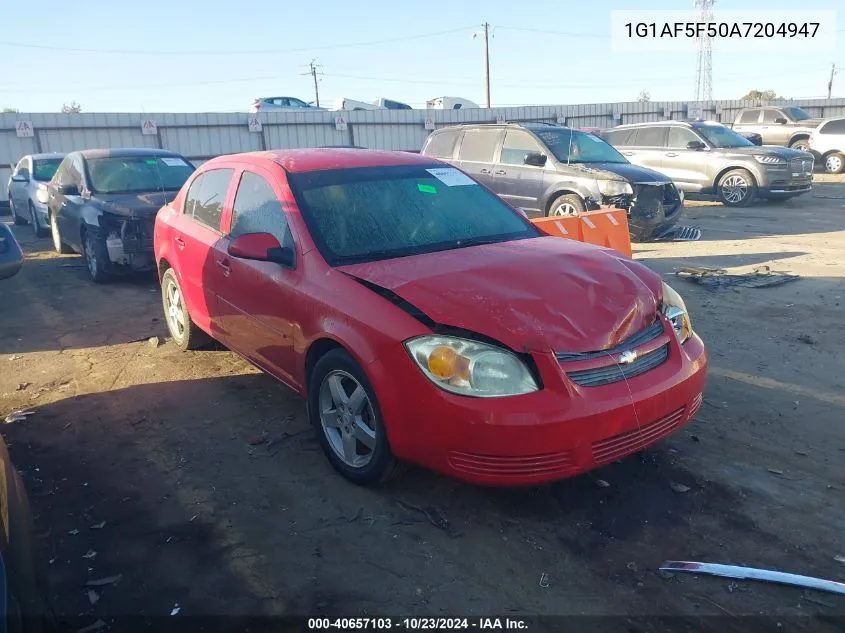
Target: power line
x=114, y=51
x=548, y=32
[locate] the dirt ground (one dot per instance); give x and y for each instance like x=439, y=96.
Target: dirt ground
x=214, y=496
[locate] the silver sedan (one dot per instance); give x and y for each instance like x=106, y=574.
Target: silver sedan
x=28, y=190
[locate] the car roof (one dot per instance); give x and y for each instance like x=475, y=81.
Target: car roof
x=46, y=155
x=126, y=152
x=525, y=126
x=321, y=158
x=658, y=123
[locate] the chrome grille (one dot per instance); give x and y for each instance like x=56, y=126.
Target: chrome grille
x=614, y=373
x=801, y=165
x=640, y=338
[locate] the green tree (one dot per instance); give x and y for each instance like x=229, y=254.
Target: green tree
x=761, y=95
x=10, y=110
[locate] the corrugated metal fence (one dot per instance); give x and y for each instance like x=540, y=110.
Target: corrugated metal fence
x=203, y=136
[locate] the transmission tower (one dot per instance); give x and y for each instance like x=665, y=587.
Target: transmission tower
x=704, y=69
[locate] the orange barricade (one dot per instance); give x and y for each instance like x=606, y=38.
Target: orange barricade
x=605, y=227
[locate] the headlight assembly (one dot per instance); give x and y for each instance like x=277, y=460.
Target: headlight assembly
x=769, y=159
x=470, y=368
x=614, y=187
x=676, y=311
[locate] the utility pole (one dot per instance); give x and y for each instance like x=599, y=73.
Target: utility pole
x=487, y=60
x=313, y=72
x=830, y=82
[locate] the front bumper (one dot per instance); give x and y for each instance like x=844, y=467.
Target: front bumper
x=652, y=211
x=129, y=244
x=793, y=179
x=559, y=431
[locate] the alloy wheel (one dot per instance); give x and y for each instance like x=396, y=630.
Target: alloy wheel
x=564, y=209
x=347, y=418
x=175, y=312
x=735, y=189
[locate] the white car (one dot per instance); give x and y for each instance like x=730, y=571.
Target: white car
x=264, y=104
x=27, y=190
x=450, y=103
x=827, y=143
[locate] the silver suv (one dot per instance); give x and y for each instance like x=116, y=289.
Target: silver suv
x=710, y=158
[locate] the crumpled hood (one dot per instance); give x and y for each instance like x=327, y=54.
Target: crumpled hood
x=140, y=205
x=539, y=294
x=622, y=171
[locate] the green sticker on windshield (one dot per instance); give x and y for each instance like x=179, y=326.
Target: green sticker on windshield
x=151, y=161
x=426, y=188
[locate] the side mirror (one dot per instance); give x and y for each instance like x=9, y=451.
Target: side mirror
x=261, y=247
x=68, y=190
x=780, y=120
x=11, y=255
x=696, y=145
x=22, y=176
x=535, y=159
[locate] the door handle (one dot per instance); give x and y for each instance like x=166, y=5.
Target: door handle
x=484, y=171
x=501, y=172
x=671, y=154
x=180, y=243
x=224, y=267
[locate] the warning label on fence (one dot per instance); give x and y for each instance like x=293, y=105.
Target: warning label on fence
x=254, y=124
x=148, y=126
x=340, y=123
x=24, y=129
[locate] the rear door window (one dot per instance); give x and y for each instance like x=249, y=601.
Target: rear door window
x=258, y=210
x=833, y=127
x=478, y=145
x=749, y=116
x=651, y=136
x=441, y=144
x=207, y=195
x=619, y=138
x=770, y=115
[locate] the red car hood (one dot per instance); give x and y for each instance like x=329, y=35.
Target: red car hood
x=536, y=294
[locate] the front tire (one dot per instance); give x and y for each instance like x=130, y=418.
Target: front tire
x=58, y=245
x=19, y=221
x=737, y=188
x=801, y=144
x=834, y=163
x=33, y=220
x=344, y=410
x=566, y=205
x=183, y=330
x=96, y=256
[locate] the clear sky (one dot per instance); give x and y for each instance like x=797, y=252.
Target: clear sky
x=541, y=52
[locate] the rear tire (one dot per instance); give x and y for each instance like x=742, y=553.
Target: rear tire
x=183, y=330
x=58, y=245
x=834, y=163
x=344, y=410
x=566, y=205
x=737, y=188
x=801, y=144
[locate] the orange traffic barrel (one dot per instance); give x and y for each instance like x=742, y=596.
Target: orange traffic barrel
x=605, y=227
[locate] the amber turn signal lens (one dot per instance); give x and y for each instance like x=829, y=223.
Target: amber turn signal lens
x=442, y=362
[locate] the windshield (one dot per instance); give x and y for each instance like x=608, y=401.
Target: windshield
x=43, y=169
x=572, y=146
x=796, y=114
x=720, y=136
x=375, y=213
x=137, y=174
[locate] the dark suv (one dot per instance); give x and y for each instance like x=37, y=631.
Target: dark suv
x=547, y=170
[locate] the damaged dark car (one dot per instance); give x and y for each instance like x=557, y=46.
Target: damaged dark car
x=549, y=170
x=102, y=203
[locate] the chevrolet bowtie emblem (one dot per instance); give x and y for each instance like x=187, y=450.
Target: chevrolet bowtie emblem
x=628, y=357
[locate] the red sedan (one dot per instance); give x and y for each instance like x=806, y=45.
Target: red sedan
x=424, y=319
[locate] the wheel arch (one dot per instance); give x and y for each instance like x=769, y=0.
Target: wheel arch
x=797, y=136
x=725, y=170
x=558, y=191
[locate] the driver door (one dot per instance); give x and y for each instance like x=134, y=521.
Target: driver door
x=686, y=167
x=518, y=184
x=774, y=133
